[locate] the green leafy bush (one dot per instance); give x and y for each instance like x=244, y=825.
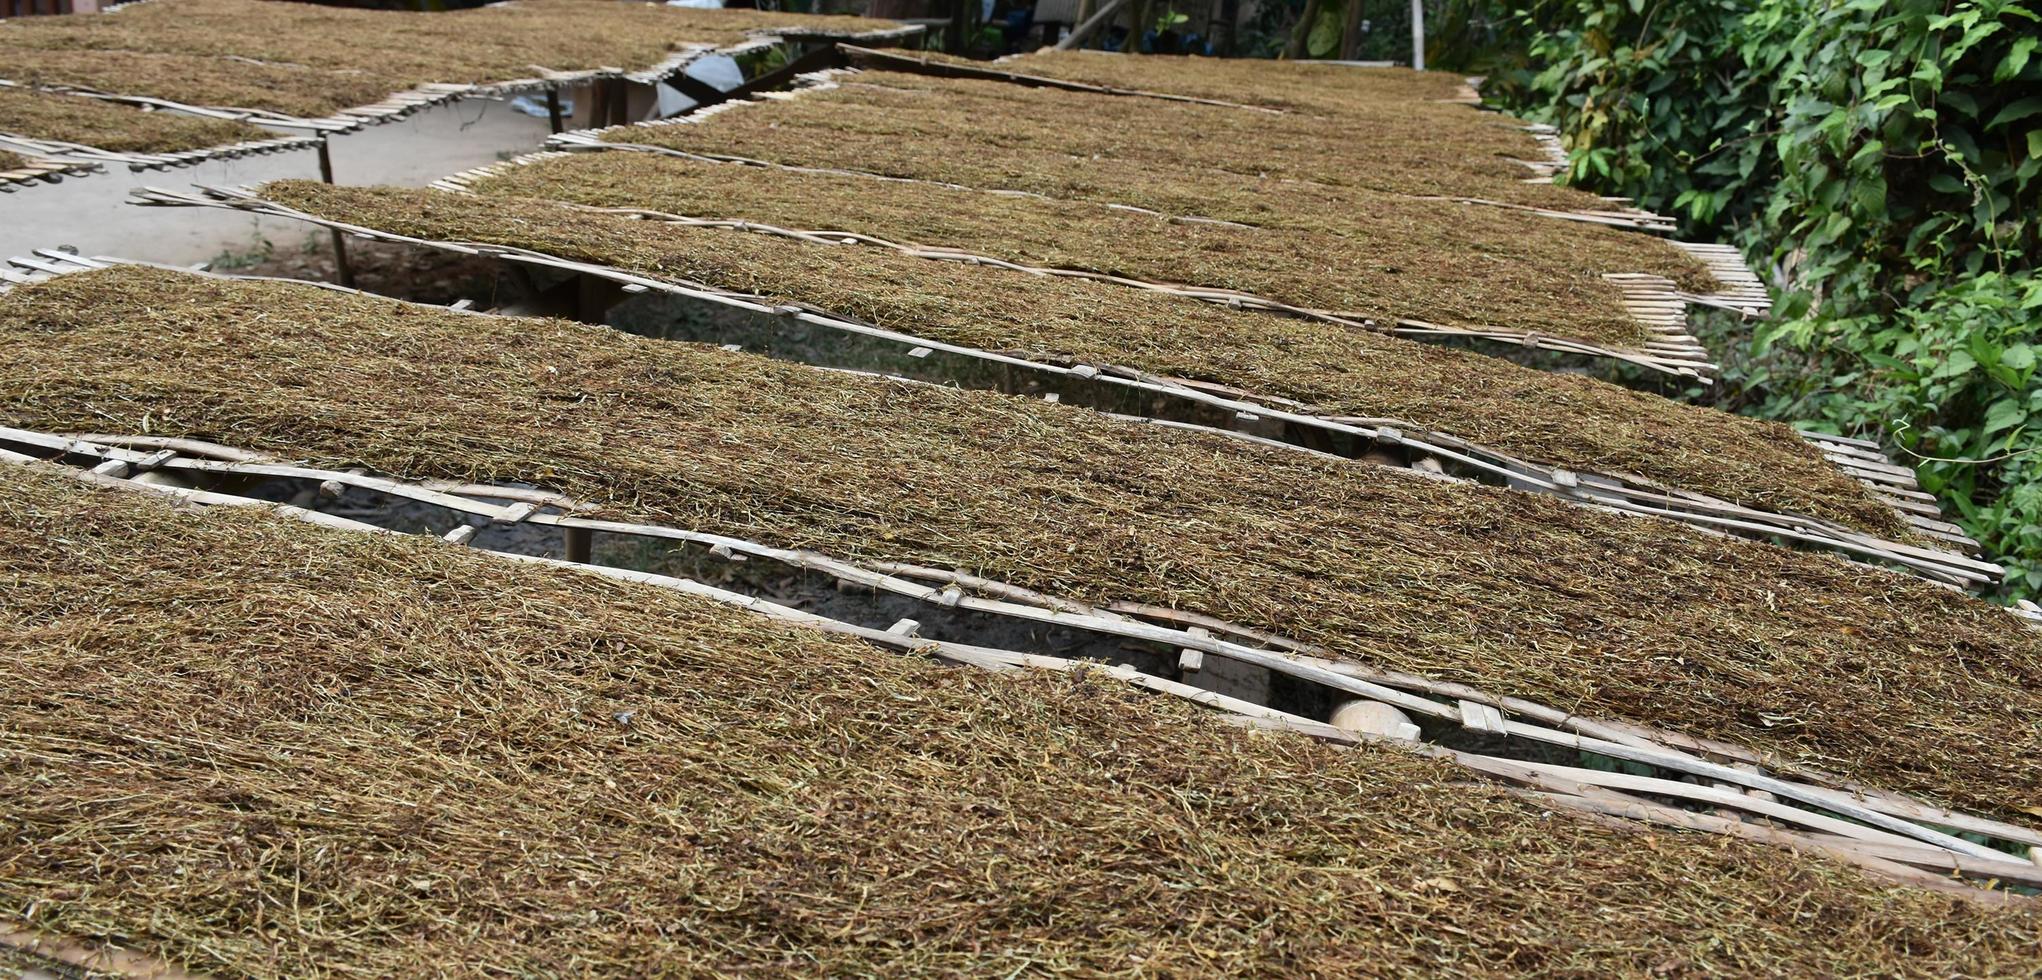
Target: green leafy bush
x=1881, y=159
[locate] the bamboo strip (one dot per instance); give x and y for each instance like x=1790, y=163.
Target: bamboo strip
x=89, y=959
x=1622, y=811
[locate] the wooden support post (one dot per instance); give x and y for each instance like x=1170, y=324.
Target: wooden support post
x=593, y=297
x=553, y=109
x=827, y=56
x=703, y=93
x=577, y=543
x=343, y=272
x=1190, y=661
x=1223, y=675
x=963, y=15
x=619, y=100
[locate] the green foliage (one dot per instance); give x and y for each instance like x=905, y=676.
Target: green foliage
x=1385, y=29
x=1882, y=159
x=1324, y=39
x=1906, y=143
x=1660, y=102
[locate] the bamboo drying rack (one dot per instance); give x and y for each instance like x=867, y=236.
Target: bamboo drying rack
x=1621, y=213
x=880, y=60
x=138, y=162
x=1744, y=794
x=402, y=104
x=1647, y=296
x=1651, y=301
x=1951, y=568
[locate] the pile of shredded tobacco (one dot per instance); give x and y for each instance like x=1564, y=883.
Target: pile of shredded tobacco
x=245, y=746
x=1884, y=679
x=1564, y=420
x=1181, y=158
x=1436, y=261
x=111, y=126
x=312, y=60
x=1289, y=86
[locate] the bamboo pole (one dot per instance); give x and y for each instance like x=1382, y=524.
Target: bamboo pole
x=1137, y=27
x=1078, y=34
x=344, y=273
x=1084, y=13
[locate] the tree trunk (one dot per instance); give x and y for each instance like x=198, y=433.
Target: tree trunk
x=1138, y=22
x=1229, y=28
x=1350, y=33
x=958, y=36
x=1300, y=35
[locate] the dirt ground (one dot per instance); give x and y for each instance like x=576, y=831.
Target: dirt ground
x=399, y=271
x=91, y=214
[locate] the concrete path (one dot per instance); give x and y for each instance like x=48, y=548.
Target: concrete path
x=89, y=213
